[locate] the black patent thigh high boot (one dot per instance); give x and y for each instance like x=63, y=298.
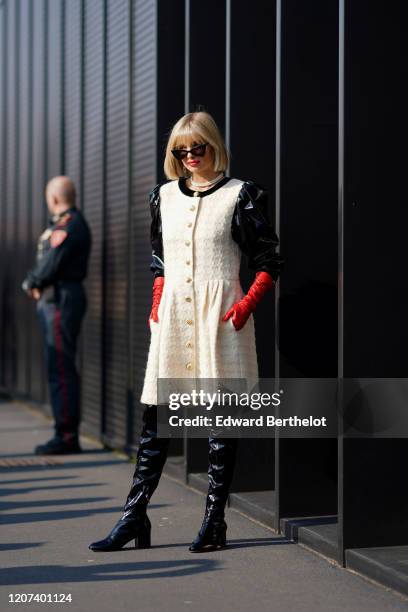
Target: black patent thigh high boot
x=151, y=457
x=222, y=455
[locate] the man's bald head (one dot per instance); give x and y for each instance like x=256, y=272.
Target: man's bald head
x=60, y=193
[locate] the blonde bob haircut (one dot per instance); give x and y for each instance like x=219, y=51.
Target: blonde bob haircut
x=201, y=127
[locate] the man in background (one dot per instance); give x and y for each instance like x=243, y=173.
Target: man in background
x=55, y=282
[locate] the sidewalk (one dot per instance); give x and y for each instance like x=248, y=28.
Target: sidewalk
x=52, y=507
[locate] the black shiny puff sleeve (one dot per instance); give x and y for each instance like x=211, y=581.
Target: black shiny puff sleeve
x=156, y=240
x=253, y=232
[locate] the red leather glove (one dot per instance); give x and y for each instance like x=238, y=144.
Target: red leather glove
x=158, y=286
x=241, y=310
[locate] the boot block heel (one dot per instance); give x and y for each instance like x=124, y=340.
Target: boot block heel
x=210, y=537
x=222, y=541
x=143, y=540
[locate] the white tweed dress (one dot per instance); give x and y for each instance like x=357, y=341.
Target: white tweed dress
x=202, y=263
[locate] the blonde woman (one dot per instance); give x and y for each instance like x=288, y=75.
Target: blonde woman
x=201, y=321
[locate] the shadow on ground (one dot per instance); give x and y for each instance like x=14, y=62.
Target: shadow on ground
x=60, y=574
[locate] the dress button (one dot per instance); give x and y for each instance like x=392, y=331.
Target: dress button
x=188, y=262
x=189, y=224
x=187, y=243
x=189, y=345
x=188, y=299
x=189, y=321
x=188, y=280
x=189, y=366
x=192, y=207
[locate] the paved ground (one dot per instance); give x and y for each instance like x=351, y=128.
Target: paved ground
x=49, y=514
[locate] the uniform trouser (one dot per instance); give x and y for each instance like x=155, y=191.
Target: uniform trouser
x=60, y=315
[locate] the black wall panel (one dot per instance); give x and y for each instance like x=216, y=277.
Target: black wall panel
x=171, y=48
x=93, y=203
x=308, y=317
x=24, y=241
x=250, y=131
x=116, y=218
x=72, y=98
x=3, y=167
x=55, y=87
x=210, y=25
x=308, y=198
x=39, y=173
x=251, y=120
x=143, y=179
x=375, y=211
x=11, y=196
x=375, y=290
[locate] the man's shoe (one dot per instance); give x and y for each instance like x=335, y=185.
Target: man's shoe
x=55, y=446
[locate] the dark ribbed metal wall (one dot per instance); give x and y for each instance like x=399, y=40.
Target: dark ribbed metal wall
x=143, y=177
x=3, y=157
x=78, y=83
x=10, y=193
x=23, y=190
x=116, y=218
x=39, y=172
x=93, y=200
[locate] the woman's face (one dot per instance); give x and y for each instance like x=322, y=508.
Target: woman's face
x=195, y=163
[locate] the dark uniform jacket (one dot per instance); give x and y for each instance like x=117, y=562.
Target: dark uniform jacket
x=62, y=252
x=250, y=228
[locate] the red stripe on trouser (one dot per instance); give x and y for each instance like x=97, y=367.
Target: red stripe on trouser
x=61, y=371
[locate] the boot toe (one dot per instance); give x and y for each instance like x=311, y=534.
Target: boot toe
x=109, y=544
x=101, y=545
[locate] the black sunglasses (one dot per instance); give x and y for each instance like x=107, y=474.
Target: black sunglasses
x=198, y=150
